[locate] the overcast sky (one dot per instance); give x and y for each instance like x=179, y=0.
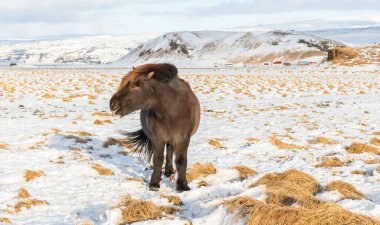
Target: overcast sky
x=44, y=18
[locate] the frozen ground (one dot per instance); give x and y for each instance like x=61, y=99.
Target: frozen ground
x=40, y=109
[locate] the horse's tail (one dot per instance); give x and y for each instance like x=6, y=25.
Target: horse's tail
x=140, y=143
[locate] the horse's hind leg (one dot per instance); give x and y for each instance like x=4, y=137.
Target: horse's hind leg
x=181, y=164
x=158, y=161
x=169, y=160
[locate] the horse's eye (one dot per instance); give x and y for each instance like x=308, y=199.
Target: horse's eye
x=137, y=84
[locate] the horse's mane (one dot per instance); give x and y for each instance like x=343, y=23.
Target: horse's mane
x=163, y=72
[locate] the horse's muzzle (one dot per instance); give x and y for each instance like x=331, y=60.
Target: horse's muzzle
x=114, y=105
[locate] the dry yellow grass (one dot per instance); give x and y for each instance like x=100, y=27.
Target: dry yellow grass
x=101, y=170
x=112, y=141
x=102, y=114
x=259, y=213
x=331, y=214
x=28, y=204
x=290, y=187
x=174, y=199
x=323, y=140
x=87, y=222
x=375, y=141
x=361, y=172
x=3, y=146
x=139, y=210
x=199, y=170
x=81, y=133
x=347, y=190
x=252, y=139
x=5, y=220
x=269, y=214
x=244, y=171
x=102, y=122
x=371, y=161
x=242, y=203
x=331, y=162
x=215, y=142
x=357, y=148
x=31, y=174
x=23, y=193
x=281, y=145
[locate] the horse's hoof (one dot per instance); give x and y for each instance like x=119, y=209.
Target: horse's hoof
x=168, y=174
x=154, y=187
x=183, y=187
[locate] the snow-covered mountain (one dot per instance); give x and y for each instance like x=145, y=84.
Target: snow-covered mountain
x=350, y=36
x=209, y=48
x=88, y=50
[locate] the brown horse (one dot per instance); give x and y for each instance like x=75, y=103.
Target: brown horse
x=170, y=114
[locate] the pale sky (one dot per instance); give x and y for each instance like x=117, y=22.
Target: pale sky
x=46, y=18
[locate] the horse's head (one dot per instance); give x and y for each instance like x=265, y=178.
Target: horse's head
x=136, y=90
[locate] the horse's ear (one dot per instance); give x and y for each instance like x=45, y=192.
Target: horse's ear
x=133, y=68
x=150, y=75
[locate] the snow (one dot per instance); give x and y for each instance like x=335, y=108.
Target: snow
x=87, y=49
x=76, y=192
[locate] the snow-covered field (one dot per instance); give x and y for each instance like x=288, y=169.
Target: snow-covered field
x=55, y=122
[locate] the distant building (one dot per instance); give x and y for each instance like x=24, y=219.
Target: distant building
x=229, y=65
x=277, y=62
x=287, y=64
x=302, y=63
x=266, y=64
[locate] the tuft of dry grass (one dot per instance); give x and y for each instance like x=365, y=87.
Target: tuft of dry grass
x=282, y=145
x=31, y=174
x=347, y=190
x=331, y=162
x=101, y=170
x=252, y=139
x=330, y=214
x=102, y=122
x=371, y=161
x=361, y=172
x=103, y=114
x=244, y=171
x=28, y=204
x=81, y=133
x=199, y=170
x=215, y=142
x=242, y=203
x=5, y=220
x=87, y=222
x=112, y=141
x=3, y=146
x=375, y=141
x=357, y=148
x=259, y=213
x=174, y=199
x=134, y=210
x=290, y=187
x=23, y=193
x=323, y=140
x=269, y=214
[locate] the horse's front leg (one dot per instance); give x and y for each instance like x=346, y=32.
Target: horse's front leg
x=158, y=160
x=180, y=150
x=169, y=160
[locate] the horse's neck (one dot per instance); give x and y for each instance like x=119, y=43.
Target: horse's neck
x=168, y=100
